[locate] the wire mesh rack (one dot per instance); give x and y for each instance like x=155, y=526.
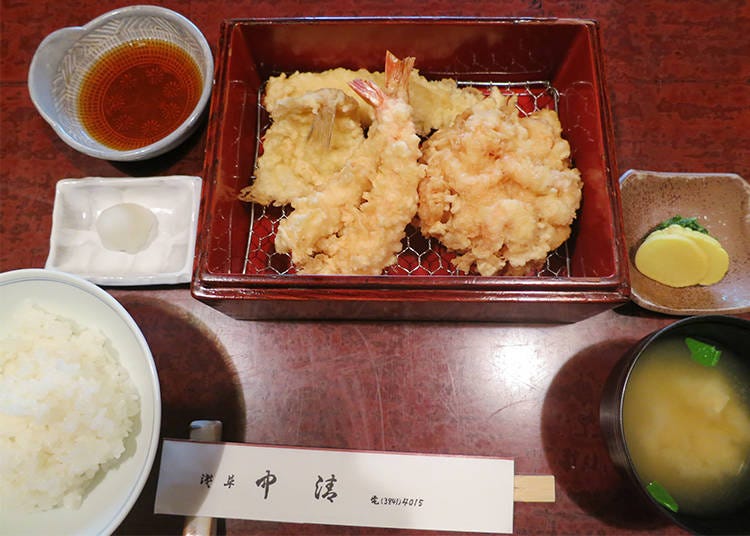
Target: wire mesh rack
x=419, y=256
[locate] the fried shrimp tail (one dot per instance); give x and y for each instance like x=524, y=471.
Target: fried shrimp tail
x=397, y=73
x=323, y=122
x=397, y=76
x=368, y=90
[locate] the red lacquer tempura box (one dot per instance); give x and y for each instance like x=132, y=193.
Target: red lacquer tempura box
x=547, y=62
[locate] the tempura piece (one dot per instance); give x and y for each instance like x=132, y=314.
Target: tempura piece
x=310, y=139
x=355, y=224
x=435, y=104
x=499, y=189
x=282, y=87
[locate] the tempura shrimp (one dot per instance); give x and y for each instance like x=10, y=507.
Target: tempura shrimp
x=356, y=223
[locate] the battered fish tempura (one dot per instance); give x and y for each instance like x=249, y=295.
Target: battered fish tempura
x=435, y=104
x=310, y=139
x=499, y=189
x=355, y=224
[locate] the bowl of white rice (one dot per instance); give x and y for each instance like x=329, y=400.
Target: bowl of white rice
x=80, y=406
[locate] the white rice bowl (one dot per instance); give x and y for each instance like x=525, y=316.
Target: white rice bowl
x=66, y=407
x=79, y=426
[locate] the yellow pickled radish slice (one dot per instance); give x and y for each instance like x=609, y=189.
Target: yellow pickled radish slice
x=718, y=258
x=671, y=259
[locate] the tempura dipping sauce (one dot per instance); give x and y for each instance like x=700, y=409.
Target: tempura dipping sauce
x=138, y=93
x=687, y=426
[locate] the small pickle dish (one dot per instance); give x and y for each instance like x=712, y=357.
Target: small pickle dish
x=550, y=62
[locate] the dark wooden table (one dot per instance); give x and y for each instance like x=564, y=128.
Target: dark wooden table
x=677, y=74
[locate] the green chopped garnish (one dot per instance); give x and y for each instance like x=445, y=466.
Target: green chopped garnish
x=662, y=496
x=702, y=352
x=690, y=223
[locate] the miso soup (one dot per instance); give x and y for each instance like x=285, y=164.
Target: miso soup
x=687, y=426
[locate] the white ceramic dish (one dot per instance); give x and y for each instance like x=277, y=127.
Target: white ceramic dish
x=76, y=246
x=66, y=55
x=112, y=497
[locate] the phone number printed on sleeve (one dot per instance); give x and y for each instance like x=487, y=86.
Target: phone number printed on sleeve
x=397, y=501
